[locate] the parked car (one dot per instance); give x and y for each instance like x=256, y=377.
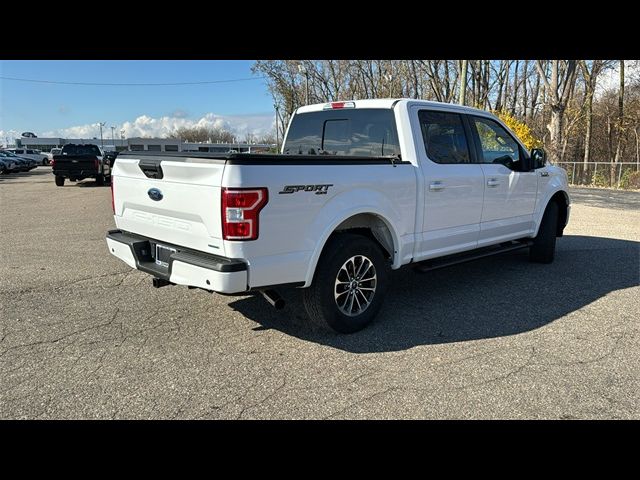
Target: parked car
x=111, y=157
x=80, y=161
x=7, y=165
x=54, y=151
x=23, y=164
x=37, y=155
x=362, y=187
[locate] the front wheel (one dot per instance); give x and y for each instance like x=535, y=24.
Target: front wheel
x=544, y=244
x=59, y=181
x=349, y=284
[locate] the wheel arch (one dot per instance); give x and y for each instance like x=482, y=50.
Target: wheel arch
x=370, y=223
x=561, y=198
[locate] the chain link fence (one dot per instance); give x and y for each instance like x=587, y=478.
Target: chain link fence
x=624, y=175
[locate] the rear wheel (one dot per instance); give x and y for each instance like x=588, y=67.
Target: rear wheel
x=59, y=181
x=544, y=244
x=349, y=284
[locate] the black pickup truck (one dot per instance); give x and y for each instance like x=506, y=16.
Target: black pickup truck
x=80, y=161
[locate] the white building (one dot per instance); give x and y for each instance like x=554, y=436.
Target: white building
x=137, y=144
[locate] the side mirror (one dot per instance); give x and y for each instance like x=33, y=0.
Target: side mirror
x=538, y=158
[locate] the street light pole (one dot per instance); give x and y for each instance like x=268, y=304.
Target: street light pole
x=102, y=124
x=277, y=133
x=112, y=136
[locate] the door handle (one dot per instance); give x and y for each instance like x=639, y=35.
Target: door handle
x=492, y=182
x=436, y=186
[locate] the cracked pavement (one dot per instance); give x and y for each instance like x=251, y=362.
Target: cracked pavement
x=84, y=336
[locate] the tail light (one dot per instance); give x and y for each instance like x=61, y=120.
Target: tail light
x=240, y=212
x=52, y=162
x=113, y=202
x=97, y=164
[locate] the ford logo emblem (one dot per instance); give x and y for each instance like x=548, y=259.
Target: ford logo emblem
x=155, y=194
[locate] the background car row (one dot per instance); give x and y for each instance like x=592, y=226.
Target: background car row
x=12, y=163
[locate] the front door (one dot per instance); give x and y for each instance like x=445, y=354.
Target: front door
x=453, y=185
x=509, y=193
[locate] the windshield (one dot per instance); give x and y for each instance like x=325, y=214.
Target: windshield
x=7, y=154
x=81, y=150
x=362, y=132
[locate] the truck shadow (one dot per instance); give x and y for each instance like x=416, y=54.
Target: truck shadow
x=493, y=297
x=90, y=184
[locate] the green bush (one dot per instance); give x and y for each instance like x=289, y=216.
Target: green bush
x=569, y=175
x=599, y=179
x=630, y=179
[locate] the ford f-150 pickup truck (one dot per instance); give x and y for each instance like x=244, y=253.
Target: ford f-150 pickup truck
x=360, y=188
x=80, y=161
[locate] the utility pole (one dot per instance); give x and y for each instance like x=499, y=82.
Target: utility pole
x=102, y=124
x=463, y=82
x=276, y=107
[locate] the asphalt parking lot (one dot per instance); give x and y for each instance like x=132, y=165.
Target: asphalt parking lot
x=84, y=336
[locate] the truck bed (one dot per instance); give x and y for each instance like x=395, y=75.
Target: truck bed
x=259, y=158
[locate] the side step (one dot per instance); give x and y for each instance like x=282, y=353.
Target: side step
x=435, y=263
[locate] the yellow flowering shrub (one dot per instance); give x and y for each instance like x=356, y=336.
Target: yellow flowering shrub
x=521, y=129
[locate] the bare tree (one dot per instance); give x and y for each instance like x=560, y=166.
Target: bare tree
x=559, y=89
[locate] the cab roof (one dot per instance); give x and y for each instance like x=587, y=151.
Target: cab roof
x=390, y=103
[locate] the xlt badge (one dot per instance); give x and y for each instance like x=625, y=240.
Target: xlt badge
x=318, y=189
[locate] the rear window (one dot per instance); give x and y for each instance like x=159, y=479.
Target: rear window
x=81, y=150
x=363, y=132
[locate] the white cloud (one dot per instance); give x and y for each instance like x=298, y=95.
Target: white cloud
x=146, y=126
x=7, y=136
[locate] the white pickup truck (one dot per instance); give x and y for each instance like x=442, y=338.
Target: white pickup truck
x=360, y=188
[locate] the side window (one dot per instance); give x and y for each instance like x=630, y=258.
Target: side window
x=497, y=145
x=444, y=137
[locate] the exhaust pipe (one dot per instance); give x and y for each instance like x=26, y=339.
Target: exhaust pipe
x=273, y=298
x=160, y=282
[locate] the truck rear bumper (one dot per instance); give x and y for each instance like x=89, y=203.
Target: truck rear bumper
x=185, y=266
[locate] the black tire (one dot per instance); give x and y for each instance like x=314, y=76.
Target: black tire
x=544, y=244
x=100, y=179
x=319, y=299
x=59, y=181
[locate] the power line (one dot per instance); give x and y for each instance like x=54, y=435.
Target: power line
x=130, y=84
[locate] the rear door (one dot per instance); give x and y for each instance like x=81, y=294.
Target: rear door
x=180, y=206
x=510, y=194
x=454, y=183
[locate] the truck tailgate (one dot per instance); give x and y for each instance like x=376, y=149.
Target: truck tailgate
x=75, y=165
x=181, y=208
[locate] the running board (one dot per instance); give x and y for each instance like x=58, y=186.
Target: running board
x=435, y=263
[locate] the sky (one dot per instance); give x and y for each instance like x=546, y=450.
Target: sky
x=243, y=106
